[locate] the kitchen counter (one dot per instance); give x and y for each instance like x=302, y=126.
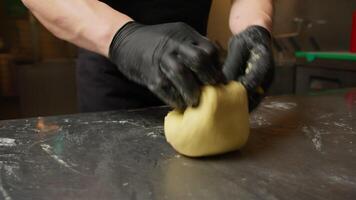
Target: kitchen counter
x=299, y=148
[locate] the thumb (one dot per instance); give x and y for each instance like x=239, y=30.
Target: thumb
x=234, y=65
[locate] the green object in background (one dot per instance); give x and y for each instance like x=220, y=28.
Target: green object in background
x=14, y=8
x=311, y=56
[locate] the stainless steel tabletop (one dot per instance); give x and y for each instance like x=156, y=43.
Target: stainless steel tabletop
x=299, y=148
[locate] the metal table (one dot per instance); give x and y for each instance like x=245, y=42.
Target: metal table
x=299, y=148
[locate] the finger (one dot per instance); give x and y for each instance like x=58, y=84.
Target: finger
x=166, y=91
x=254, y=99
x=235, y=62
x=259, y=66
x=209, y=48
x=200, y=63
x=182, y=78
x=269, y=77
x=212, y=50
x=204, y=44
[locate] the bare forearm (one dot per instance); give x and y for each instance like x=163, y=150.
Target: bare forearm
x=245, y=13
x=90, y=24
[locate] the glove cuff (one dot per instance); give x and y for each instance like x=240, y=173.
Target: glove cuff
x=261, y=29
x=120, y=36
x=256, y=34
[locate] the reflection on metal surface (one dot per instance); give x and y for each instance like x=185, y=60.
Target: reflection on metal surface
x=44, y=127
x=49, y=150
x=184, y=178
x=3, y=191
x=350, y=98
x=5, y=194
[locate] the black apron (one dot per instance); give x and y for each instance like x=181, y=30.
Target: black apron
x=101, y=86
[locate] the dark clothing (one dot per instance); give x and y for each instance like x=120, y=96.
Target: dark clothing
x=101, y=86
x=193, y=12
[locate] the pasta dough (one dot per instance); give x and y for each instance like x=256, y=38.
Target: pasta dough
x=218, y=125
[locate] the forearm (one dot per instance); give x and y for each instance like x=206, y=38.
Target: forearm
x=89, y=24
x=245, y=13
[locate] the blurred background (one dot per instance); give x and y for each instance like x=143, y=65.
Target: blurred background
x=312, y=47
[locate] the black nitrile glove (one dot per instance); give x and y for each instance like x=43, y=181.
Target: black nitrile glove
x=172, y=60
x=250, y=61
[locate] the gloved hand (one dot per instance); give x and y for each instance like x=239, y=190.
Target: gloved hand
x=172, y=60
x=250, y=61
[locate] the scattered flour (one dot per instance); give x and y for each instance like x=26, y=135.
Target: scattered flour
x=316, y=135
x=258, y=121
x=280, y=105
x=152, y=134
x=7, y=142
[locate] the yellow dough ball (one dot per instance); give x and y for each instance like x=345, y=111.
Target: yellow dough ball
x=218, y=125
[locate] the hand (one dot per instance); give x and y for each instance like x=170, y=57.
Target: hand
x=250, y=61
x=172, y=60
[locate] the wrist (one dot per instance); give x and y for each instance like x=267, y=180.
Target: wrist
x=239, y=24
x=108, y=34
x=121, y=35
